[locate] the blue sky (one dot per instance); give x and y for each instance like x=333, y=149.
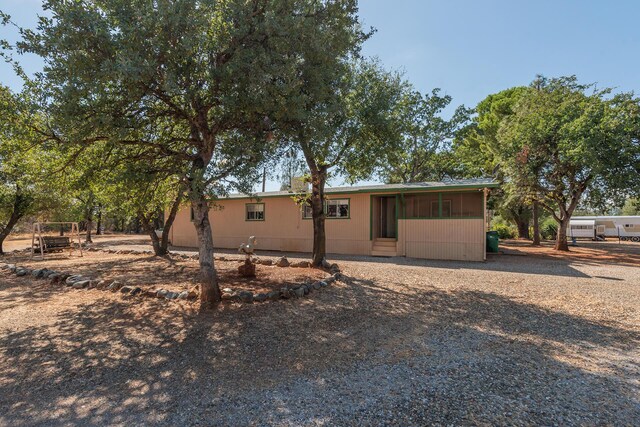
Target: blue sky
x=473, y=48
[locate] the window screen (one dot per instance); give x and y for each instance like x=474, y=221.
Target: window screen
x=462, y=205
x=421, y=205
x=338, y=208
x=255, y=212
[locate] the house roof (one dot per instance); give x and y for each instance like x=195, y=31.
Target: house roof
x=452, y=184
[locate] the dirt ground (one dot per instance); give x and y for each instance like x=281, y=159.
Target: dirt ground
x=171, y=273
x=528, y=337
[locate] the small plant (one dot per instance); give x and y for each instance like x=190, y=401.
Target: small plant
x=549, y=229
x=504, y=231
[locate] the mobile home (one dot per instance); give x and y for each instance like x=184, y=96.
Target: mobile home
x=624, y=227
x=434, y=220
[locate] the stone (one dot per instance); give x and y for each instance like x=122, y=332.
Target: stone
x=273, y=295
x=114, y=286
x=81, y=284
x=261, y=297
x=162, y=293
x=126, y=289
x=246, y=296
x=323, y=284
x=325, y=263
x=248, y=269
x=171, y=295
x=183, y=295
x=283, y=262
x=299, y=291
x=11, y=268
x=316, y=285
x=21, y=272
x=136, y=291
x=301, y=264
x=307, y=289
x=37, y=273
x=285, y=293
x=334, y=268
x=48, y=274
x=265, y=262
x=73, y=279
x=54, y=278
x=100, y=284
x=227, y=295
x=329, y=280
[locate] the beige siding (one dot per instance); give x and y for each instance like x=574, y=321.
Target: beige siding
x=284, y=230
x=455, y=239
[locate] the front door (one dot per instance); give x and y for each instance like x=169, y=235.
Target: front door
x=386, y=221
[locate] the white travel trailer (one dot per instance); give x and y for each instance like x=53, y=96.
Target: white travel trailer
x=623, y=227
x=581, y=229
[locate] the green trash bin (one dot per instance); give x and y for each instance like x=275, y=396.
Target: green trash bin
x=492, y=241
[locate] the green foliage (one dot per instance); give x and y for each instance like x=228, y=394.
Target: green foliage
x=566, y=139
x=549, y=228
x=505, y=231
x=631, y=207
x=422, y=150
x=28, y=182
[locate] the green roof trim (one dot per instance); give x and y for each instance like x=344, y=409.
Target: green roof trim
x=382, y=188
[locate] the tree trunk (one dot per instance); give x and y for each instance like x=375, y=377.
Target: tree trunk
x=89, y=227
x=536, y=223
x=6, y=230
x=210, y=293
x=523, y=228
x=168, y=223
x=99, y=225
x=161, y=244
x=318, y=179
x=17, y=213
x=561, y=239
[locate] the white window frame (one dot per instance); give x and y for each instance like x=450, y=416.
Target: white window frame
x=250, y=208
x=338, y=203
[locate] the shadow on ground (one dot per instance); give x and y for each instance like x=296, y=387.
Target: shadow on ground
x=468, y=356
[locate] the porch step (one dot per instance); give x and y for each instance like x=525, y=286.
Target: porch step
x=391, y=243
x=385, y=253
x=384, y=247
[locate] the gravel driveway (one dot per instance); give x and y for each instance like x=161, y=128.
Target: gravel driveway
x=516, y=340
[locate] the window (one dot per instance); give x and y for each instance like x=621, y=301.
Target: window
x=193, y=215
x=254, y=212
x=307, y=211
x=463, y=205
x=444, y=205
x=421, y=206
x=338, y=208
x=581, y=227
x=446, y=208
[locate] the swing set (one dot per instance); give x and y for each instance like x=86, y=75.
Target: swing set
x=49, y=243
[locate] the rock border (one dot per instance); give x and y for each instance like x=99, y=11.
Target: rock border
x=77, y=281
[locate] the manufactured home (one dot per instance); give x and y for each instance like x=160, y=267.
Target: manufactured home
x=432, y=220
x=623, y=227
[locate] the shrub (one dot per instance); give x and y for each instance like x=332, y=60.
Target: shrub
x=504, y=231
x=549, y=229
